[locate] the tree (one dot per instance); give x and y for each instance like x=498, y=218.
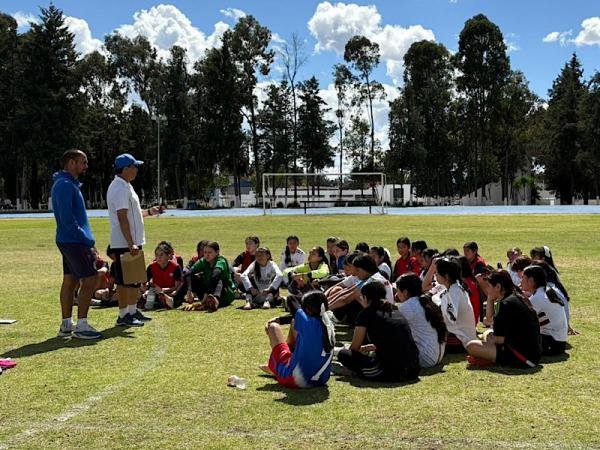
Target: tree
x=48, y=92
x=590, y=158
x=293, y=58
x=8, y=104
x=563, y=136
x=248, y=43
x=363, y=56
x=216, y=104
x=343, y=81
x=276, y=125
x=426, y=94
x=314, y=131
x=177, y=112
x=484, y=67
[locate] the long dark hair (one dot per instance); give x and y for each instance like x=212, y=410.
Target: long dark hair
x=267, y=252
x=314, y=303
x=375, y=293
x=450, y=267
x=413, y=284
x=288, y=254
x=366, y=263
x=551, y=276
x=502, y=277
x=541, y=281
x=544, y=253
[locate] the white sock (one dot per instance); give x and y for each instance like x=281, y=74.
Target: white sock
x=81, y=323
x=67, y=323
x=122, y=312
x=132, y=309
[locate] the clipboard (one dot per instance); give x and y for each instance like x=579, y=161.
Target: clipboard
x=133, y=268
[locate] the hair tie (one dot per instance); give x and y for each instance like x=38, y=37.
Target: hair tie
x=547, y=252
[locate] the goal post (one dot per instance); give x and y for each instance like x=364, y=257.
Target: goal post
x=325, y=190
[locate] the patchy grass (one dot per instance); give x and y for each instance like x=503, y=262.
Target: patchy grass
x=163, y=386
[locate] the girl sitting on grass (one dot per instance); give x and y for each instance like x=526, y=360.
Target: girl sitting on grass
x=261, y=281
x=216, y=287
x=456, y=306
x=391, y=354
x=303, y=359
x=300, y=278
x=293, y=255
x=425, y=319
x=515, y=339
x=382, y=259
x=550, y=310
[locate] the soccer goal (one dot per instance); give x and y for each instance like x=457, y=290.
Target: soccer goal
x=355, y=191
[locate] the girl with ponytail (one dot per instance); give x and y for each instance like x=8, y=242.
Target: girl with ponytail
x=550, y=310
x=424, y=317
x=391, y=354
x=515, y=339
x=303, y=359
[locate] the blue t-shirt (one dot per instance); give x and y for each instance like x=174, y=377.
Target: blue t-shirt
x=309, y=359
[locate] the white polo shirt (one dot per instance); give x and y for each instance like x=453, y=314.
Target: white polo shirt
x=121, y=195
x=431, y=351
x=552, y=317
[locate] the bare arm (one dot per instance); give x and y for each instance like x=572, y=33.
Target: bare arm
x=359, y=337
x=126, y=230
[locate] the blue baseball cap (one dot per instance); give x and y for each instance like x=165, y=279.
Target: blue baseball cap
x=126, y=160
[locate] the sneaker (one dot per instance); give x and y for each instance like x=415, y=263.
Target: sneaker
x=248, y=306
x=474, y=361
x=96, y=302
x=86, y=332
x=139, y=316
x=65, y=331
x=129, y=321
x=266, y=305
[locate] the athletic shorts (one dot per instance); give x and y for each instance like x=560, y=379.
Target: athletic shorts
x=115, y=268
x=279, y=360
x=78, y=260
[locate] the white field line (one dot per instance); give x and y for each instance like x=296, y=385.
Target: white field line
x=158, y=353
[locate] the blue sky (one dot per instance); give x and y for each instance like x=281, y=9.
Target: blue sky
x=541, y=35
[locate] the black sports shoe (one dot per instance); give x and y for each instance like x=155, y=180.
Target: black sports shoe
x=139, y=316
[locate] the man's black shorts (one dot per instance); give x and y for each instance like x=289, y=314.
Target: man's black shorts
x=78, y=260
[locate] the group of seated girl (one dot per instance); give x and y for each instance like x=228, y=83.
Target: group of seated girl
x=406, y=316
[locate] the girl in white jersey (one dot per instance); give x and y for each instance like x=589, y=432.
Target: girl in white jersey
x=261, y=281
x=292, y=255
x=550, y=310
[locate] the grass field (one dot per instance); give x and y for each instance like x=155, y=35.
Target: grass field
x=164, y=385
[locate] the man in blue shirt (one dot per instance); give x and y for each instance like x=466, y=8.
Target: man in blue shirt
x=75, y=241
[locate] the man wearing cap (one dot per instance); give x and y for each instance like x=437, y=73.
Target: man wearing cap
x=126, y=233
x=75, y=241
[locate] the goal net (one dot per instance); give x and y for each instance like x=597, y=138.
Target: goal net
x=355, y=192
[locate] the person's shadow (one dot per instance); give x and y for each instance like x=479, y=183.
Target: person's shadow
x=56, y=343
x=296, y=397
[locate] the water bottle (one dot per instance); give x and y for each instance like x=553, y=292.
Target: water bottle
x=150, y=299
x=237, y=382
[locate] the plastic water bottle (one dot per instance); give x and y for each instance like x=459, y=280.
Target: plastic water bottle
x=237, y=382
x=150, y=299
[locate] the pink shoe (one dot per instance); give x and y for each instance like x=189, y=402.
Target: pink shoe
x=7, y=363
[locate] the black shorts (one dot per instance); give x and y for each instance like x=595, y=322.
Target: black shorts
x=78, y=260
x=115, y=268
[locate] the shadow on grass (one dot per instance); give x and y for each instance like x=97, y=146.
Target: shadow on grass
x=56, y=343
x=356, y=381
x=298, y=397
x=504, y=370
x=555, y=359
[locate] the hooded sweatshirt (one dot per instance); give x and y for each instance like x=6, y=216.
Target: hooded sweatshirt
x=72, y=225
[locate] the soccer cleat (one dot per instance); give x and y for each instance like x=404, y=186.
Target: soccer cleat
x=86, y=332
x=129, y=321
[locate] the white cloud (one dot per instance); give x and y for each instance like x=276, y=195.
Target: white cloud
x=333, y=25
x=563, y=37
x=83, y=40
x=24, y=19
x=165, y=26
x=234, y=13
x=510, y=42
x=590, y=33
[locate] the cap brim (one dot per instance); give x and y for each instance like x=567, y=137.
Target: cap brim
x=138, y=163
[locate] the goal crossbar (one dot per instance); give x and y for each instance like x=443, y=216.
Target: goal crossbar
x=265, y=177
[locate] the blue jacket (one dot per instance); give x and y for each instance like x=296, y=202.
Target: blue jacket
x=72, y=225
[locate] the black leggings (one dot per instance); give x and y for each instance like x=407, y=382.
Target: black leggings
x=552, y=347
x=370, y=368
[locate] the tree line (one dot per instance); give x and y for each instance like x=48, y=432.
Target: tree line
x=460, y=121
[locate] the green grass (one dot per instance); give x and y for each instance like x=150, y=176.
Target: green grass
x=164, y=385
